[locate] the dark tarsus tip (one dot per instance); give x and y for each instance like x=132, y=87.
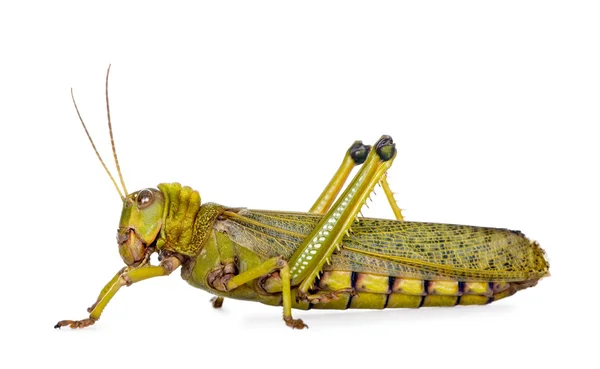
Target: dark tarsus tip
x=359, y=152
x=386, y=148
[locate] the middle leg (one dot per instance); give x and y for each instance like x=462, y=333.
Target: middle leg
x=228, y=282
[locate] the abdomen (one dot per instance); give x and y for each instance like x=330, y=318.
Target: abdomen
x=372, y=291
x=381, y=292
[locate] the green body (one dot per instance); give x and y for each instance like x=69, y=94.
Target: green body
x=327, y=258
x=386, y=263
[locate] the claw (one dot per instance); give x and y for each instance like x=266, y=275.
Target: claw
x=294, y=323
x=75, y=323
x=217, y=302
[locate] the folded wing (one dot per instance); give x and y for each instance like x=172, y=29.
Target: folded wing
x=418, y=250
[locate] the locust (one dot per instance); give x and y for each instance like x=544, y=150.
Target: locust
x=327, y=258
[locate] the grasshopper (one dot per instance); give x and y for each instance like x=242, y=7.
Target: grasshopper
x=327, y=258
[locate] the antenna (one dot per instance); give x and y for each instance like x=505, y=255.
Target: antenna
x=94, y=147
x=112, y=141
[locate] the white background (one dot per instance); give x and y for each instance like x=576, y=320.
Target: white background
x=494, y=109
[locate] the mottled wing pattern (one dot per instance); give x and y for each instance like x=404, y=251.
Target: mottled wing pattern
x=400, y=249
x=268, y=234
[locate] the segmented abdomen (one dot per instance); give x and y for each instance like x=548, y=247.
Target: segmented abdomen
x=379, y=292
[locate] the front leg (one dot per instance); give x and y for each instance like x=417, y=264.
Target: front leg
x=106, y=288
x=126, y=278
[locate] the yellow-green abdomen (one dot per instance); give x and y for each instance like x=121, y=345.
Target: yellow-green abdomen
x=380, y=292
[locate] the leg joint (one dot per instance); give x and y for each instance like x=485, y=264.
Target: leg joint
x=359, y=152
x=385, y=147
x=219, y=278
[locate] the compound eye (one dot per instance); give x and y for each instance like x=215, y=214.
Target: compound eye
x=144, y=198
